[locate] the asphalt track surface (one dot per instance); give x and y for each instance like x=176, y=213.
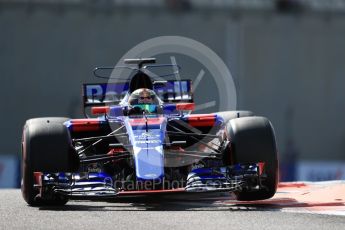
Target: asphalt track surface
x=294, y=207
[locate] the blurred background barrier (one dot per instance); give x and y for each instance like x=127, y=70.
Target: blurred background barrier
x=9, y=171
x=320, y=171
x=286, y=57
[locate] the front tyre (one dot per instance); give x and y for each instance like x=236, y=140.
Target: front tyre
x=46, y=147
x=252, y=141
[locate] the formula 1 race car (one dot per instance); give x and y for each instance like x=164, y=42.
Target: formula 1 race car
x=143, y=139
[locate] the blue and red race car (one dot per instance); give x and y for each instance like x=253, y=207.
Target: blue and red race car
x=145, y=139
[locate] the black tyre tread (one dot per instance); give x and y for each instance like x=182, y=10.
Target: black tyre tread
x=35, y=146
x=253, y=140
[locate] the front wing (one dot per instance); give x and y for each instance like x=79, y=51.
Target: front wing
x=100, y=185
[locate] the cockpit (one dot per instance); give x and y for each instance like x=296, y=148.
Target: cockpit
x=144, y=100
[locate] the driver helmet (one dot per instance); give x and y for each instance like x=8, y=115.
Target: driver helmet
x=143, y=96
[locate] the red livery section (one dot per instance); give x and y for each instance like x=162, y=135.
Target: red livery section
x=200, y=120
x=84, y=125
x=261, y=167
x=185, y=106
x=97, y=110
x=150, y=121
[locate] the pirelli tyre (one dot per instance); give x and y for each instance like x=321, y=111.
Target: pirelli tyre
x=46, y=147
x=253, y=140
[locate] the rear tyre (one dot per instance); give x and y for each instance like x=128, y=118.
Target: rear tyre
x=46, y=147
x=252, y=141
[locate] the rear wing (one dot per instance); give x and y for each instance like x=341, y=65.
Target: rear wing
x=171, y=91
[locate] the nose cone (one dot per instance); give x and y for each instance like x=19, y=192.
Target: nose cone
x=147, y=136
x=149, y=162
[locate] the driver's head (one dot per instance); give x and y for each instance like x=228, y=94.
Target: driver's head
x=142, y=96
x=145, y=97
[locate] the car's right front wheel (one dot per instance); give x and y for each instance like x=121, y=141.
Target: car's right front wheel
x=46, y=147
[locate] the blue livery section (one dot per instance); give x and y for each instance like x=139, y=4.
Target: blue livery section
x=147, y=140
